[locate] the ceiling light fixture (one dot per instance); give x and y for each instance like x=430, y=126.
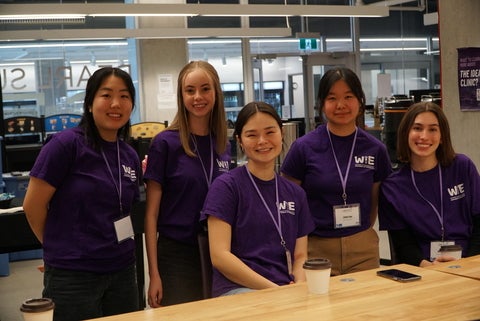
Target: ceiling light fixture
x=43, y=19
x=143, y=33
x=196, y=9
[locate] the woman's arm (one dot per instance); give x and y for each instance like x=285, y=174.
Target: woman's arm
x=153, y=199
x=299, y=257
x=35, y=205
x=220, y=236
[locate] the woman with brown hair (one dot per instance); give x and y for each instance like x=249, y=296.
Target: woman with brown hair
x=434, y=199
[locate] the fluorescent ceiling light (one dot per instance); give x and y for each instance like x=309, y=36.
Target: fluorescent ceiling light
x=64, y=45
x=43, y=19
x=393, y=49
x=143, y=33
x=163, y=9
x=43, y=16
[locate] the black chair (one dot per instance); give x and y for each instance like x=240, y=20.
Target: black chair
x=206, y=265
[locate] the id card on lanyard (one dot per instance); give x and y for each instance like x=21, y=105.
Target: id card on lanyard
x=123, y=226
x=346, y=215
x=434, y=245
x=278, y=224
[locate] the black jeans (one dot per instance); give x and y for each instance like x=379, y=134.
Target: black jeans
x=179, y=267
x=85, y=295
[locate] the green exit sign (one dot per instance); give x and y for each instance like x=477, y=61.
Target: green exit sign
x=308, y=44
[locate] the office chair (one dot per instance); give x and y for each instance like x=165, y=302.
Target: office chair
x=206, y=264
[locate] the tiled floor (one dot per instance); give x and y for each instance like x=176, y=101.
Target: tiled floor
x=24, y=282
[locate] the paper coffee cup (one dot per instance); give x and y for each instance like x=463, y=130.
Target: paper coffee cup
x=454, y=251
x=317, y=272
x=38, y=309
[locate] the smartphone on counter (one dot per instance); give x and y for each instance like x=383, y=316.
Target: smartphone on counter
x=398, y=275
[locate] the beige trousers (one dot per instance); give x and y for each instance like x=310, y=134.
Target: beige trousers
x=357, y=252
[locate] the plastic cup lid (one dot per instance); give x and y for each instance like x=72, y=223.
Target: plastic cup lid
x=450, y=248
x=317, y=264
x=37, y=305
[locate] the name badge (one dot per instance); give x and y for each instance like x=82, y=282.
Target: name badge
x=346, y=215
x=123, y=228
x=435, y=248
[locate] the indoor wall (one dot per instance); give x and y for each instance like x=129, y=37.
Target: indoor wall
x=454, y=35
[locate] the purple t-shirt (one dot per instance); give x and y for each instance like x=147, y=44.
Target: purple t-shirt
x=311, y=160
x=184, y=182
x=255, y=239
x=401, y=207
x=79, y=231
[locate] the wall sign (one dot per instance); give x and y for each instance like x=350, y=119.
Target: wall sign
x=469, y=78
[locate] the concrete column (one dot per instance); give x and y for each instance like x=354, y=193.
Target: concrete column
x=159, y=62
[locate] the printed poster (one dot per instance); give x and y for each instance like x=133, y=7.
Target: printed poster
x=469, y=78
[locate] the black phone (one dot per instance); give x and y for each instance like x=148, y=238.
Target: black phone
x=398, y=275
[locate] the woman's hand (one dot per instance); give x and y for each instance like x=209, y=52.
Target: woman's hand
x=155, y=292
x=440, y=259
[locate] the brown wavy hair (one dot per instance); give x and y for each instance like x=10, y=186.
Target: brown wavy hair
x=445, y=152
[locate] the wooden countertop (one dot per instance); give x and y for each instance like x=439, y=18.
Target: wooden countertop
x=356, y=296
x=467, y=267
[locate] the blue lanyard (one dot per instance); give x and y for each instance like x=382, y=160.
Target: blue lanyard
x=439, y=214
x=342, y=178
x=209, y=176
x=119, y=186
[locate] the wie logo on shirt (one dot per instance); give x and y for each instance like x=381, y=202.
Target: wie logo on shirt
x=365, y=161
x=129, y=172
x=223, y=165
x=287, y=207
x=456, y=192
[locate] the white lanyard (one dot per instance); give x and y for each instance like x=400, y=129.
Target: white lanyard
x=208, y=177
x=278, y=225
x=342, y=178
x=439, y=214
x=119, y=186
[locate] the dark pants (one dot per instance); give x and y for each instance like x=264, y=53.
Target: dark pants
x=180, y=271
x=85, y=295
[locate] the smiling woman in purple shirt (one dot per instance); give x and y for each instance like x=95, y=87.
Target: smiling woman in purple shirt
x=434, y=199
x=340, y=166
x=81, y=190
x=258, y=221
x=183, y=161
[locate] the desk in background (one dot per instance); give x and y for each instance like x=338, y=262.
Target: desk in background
x=467, y=267
x=355, y=296
x=16, y=234
x=16, y=237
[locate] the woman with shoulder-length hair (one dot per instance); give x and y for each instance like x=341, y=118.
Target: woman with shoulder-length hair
x=81, y=191
x=340, y=166
x=258, y=221
x=434, y=199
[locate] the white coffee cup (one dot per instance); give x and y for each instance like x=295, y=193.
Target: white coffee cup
x=454, y=251
x=317, y=272
x=38, y=309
